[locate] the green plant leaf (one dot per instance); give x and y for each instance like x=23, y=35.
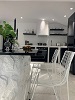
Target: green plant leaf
x=7, y=26
x=1, y=26
x=4, y=22
x=7, y=31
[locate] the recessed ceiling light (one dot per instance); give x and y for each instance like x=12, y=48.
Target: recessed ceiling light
x=21, y=17
x=43, y=19
x=64, y=15
x=71, y=8
x=52, y=19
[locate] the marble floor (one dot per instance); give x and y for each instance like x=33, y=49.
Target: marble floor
x=44, y=93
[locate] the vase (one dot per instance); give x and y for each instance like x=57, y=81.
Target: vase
x=7, y=45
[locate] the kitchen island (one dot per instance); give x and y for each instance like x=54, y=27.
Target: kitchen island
x=14, y=76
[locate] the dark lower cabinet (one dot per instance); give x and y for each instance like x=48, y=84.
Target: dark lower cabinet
x=41, y=55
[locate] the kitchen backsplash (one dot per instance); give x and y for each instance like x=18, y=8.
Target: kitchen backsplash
x=42, y=39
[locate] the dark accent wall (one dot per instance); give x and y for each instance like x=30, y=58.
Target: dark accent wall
x=71, y=39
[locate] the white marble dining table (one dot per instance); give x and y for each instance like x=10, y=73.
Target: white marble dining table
x=14, y=76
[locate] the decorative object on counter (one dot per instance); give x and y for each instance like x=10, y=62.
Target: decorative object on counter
x=7, y=44
x=8, y=36
x=26, y=42
x=25, y=31
x=39, y=44
x=28, y=31
x=57, y=44
x=44, y=44
x=32, y=31
x=27, y=49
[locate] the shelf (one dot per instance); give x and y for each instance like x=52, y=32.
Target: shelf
x=59, y=34
x=28, y=34
x=56, y=29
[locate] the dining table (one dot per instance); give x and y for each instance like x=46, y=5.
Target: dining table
x=14, y=75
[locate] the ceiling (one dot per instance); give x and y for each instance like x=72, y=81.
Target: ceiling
x=33, y=11
x=39, y=0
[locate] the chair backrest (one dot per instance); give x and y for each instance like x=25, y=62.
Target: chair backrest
x=55, y=56
x=67, y=59
x=66, y=63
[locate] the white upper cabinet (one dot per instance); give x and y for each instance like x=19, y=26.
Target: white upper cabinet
x=42, y=28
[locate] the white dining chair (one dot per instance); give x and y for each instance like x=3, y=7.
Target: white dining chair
x=59, y=77
x=43, y=65
x=37, y=66
x=51, y=65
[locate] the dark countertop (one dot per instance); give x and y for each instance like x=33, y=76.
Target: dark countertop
x=16, y=53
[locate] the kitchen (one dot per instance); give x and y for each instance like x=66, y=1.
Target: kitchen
x=51, y=34
x=47, y=38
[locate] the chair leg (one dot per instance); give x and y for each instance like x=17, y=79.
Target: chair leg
x=67, y=89
x=55, y=93
x=33, y=92
x=35, y=83
x=60, y=92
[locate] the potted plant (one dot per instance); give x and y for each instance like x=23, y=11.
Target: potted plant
x=8, y=34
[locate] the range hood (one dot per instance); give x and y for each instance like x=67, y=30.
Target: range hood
x=43, y=28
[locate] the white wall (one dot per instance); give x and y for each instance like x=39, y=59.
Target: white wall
x=34, y=38
x=57, y=26
x=22, y=27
